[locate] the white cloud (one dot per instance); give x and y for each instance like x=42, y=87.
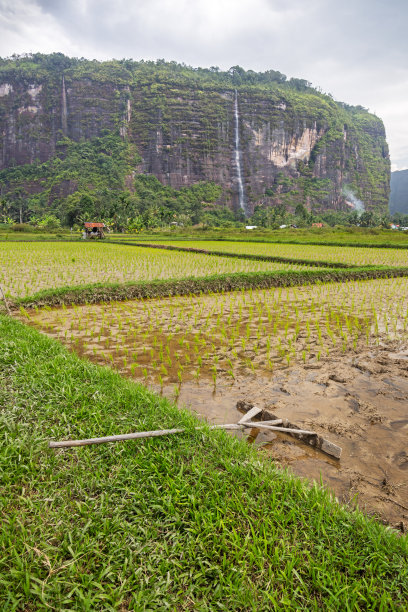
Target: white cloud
x=25, y=28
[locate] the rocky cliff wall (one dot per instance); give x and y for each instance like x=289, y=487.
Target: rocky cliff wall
x=295, y=147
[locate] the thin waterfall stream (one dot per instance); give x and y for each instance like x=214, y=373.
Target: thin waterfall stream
x=241, y=196
x=64, y=115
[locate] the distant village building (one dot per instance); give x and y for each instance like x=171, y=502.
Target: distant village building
x=93, y=230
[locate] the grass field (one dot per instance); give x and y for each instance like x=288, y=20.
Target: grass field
x=26, y=268
x=195, y=521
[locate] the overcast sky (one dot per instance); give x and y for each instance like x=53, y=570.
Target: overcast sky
x=356, y=50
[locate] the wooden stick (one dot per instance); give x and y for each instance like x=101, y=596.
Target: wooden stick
x=134, y=436
x=249, y=415
x=5, y=301
x=298, y=432
x=316, y=441
x=256, y=423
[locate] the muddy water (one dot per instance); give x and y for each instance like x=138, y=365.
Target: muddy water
x=352, y=393
x=359, y=402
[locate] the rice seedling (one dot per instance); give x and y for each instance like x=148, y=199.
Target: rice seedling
x=232, y=335
x=26, y=268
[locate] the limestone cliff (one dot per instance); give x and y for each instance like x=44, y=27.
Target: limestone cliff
x=297, y=146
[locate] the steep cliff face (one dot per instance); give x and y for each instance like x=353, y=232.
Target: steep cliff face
x=295, y=147
x=186, y=136
x=33, y=116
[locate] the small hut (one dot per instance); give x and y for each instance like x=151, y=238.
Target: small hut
x=93, y=230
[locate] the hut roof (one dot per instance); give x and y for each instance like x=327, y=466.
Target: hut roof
x=97, y=224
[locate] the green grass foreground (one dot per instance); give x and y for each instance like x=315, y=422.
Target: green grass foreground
x=217, y=283
x=194, y=521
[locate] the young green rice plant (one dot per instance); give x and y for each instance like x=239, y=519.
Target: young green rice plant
x=342, y=315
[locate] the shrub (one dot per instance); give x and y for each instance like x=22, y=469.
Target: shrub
x=22, y=227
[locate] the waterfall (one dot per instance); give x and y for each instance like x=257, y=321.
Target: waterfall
x=127, y=113
x=64, y=115
x=238, y=156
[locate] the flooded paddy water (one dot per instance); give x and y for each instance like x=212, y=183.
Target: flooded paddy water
x=332, y=358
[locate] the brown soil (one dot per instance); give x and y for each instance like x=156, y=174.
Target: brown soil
x=360, y=403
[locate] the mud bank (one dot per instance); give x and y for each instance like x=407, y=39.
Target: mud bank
x=360, y=402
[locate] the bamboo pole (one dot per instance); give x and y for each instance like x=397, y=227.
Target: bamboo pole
x=133, y=436
x=166, y=432
x=5, y=300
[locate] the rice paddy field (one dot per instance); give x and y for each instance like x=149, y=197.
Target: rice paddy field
x=26, y=268
x=196, y=521
x=347, y=255
x=226, y=336
x=202, y=520
x=285, y=346
x=357, y=236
